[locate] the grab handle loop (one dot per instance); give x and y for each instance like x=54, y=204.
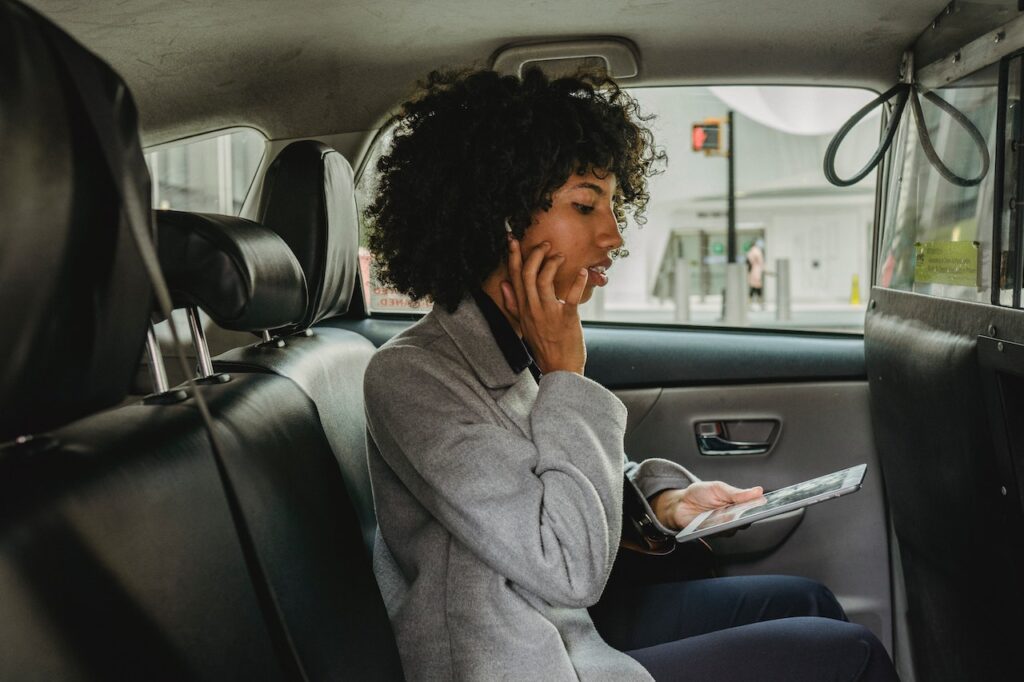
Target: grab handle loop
x=965, y=123
x=900, y=91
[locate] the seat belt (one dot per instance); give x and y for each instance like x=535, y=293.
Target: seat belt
x=87, y=82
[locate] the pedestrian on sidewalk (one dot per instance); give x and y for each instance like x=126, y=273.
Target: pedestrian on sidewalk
x=755, y=272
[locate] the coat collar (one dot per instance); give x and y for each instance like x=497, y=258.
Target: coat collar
x=471, y=334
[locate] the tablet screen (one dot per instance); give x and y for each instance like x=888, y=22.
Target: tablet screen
x=777, y=501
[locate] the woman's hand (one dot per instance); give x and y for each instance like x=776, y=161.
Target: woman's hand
x=549, y=325
x=676, y=508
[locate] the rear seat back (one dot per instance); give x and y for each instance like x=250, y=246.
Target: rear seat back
x=120, y=550
x=119, y=557
x=309, y=200
x=302, y=522
x=291, y=488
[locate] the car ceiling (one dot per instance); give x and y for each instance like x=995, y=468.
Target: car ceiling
x=317, y=67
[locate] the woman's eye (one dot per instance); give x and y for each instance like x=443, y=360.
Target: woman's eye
x=584, y=209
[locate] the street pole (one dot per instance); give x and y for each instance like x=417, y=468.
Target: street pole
x=783, y=305
x=732, y=190
x=681, y=280
x=735, y=299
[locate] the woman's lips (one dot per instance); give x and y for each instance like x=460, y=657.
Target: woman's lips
x=596, y=276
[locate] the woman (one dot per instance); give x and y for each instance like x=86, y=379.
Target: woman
x=497, y=467
x=755, y=272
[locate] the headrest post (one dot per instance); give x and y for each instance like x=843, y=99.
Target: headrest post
x=195, y=325
x=266, y=335
x=156, y=362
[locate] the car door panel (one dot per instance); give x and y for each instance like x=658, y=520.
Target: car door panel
x=824, y=427
x=815, y=387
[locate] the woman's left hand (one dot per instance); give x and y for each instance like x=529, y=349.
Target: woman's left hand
x=548, y=324
x=676, y=508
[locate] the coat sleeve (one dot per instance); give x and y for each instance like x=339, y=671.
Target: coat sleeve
x=545, y=513
x=654, y=475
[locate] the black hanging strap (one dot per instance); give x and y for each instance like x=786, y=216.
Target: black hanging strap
x=902, y=92
x=929, y=150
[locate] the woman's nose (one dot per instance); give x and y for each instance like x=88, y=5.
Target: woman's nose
x=608, y=236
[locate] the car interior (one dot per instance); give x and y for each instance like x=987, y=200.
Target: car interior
x=183, y=476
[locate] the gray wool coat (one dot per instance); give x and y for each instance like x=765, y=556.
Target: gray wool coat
x=499, y=505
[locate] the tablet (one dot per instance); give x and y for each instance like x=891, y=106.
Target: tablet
x=776, y=502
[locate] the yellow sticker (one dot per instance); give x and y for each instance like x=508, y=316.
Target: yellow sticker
x=947, y=263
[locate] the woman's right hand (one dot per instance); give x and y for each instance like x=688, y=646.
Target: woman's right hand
x=549, y=325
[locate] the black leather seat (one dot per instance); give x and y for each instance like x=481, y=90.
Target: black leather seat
x=309, y=200
x=118, y=554
x=290, y=486
x=132, y=544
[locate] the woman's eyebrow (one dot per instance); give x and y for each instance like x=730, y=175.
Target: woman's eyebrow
x=590, y=185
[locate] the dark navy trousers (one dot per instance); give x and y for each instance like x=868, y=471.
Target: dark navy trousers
x=740, y=628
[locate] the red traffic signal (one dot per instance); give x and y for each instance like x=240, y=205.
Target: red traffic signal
x=706, y=137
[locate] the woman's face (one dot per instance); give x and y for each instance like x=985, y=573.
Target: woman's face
x=581, y=226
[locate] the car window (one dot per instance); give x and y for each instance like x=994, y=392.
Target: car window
x=211, y=173
x=796, y=228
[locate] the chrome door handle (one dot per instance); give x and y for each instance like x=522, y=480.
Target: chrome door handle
x=713, y=440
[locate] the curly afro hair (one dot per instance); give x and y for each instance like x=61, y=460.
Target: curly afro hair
x=476, y=149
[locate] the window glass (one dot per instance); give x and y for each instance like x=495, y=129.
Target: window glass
x=937, y=237
x=808, y=241
x=788, y=218
x=211, y=174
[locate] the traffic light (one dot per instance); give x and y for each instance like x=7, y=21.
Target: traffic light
x=707, y=137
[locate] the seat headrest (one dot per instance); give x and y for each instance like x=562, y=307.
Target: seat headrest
x=309, y=199
x=238, y=272
x=74, y=295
